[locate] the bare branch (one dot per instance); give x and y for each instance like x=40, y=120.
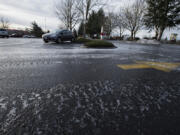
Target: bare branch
x=85, y=7
x=67, y=13
x=133, y=17
x=4, y=23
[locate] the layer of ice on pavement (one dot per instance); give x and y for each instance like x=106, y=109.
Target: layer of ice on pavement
x=89, y=105
x=151, y=42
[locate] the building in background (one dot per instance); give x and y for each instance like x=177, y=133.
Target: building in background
x=173, y=37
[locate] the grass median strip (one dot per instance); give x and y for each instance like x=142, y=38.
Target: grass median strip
x=82, y=40
x=99, y=44
x=91, y=43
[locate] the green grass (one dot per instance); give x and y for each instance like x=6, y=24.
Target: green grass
x=99, y=44
x=82, y=40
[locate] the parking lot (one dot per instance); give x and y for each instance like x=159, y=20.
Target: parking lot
x=54, y=89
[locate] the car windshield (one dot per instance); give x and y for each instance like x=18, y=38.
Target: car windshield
x=55, y=31
x=58, y=31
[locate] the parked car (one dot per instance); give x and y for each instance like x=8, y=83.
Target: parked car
x=58, y=36
x=28, y=36
x=4, y=33
x=16, y=35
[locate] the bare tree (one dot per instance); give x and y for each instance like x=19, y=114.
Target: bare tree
x=85, y=7
x=4, y=23
x=61, y=26
x=111, y=22
x=120, y=23
x=115, y=22
x=67, y=13
x=133, y=17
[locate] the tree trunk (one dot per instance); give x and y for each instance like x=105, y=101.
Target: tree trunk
x=70, y=26
x=157, y=33
x=84, y=29
x=160, y=34
x=85, y=21
x=132, y=33
x=120, y=34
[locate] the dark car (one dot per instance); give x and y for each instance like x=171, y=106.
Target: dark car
x=58, y=36
x=16, y=35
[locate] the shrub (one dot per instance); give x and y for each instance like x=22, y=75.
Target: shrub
x=178, y=42
x=154, y=38
x=129, y=39
x=147, y=38
x=82, y=40
x=99, y=44
x=137, y=38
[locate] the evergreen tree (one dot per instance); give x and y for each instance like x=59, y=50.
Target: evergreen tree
x=92, y=24
x=95, y=22
x=101, y=20
x=75, y=33
x=36, y=30
x=162, y=14
x=80, y=30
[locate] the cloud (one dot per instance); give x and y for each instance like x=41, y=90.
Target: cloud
x=23, y=12
x=115, y=5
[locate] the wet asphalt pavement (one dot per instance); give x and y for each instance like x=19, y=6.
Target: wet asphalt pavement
x=65, y=89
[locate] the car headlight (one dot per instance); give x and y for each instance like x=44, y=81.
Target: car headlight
x=45, y=37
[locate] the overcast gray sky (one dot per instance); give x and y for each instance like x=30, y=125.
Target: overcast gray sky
x=22, y=12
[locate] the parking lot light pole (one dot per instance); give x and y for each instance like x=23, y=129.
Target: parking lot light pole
x=102, y=33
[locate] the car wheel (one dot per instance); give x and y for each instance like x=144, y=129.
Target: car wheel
x=59, y=40
x=72, y=40
x=46, y=41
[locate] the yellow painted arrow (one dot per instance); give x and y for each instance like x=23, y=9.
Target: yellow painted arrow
x=163, y=66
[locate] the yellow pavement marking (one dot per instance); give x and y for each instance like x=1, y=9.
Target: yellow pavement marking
x=163, y=66
x=133, y=66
